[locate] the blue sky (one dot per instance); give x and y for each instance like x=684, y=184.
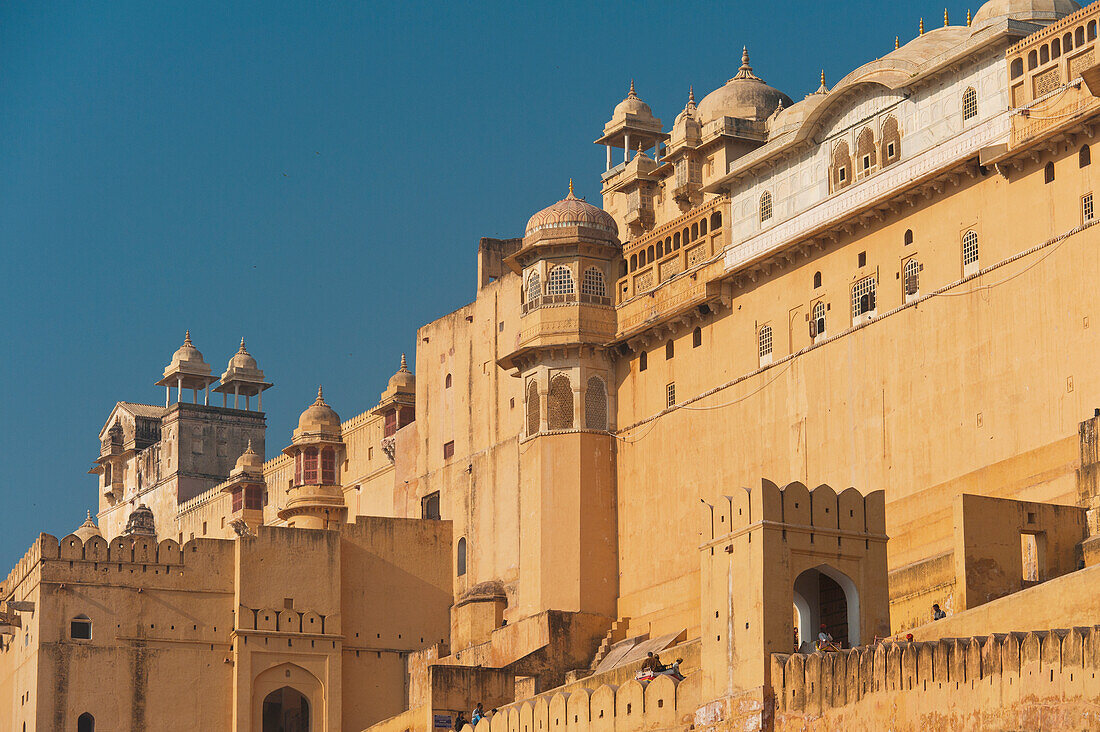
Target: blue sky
x=312, y=176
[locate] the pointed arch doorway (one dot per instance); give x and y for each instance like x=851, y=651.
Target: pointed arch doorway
x=286, y=710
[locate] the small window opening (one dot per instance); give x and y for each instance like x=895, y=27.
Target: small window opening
x=80, y=628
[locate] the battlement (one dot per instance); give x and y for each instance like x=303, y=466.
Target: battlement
x=658, y=704
x=1003, y=669
x=287, y=620
x=795, y=507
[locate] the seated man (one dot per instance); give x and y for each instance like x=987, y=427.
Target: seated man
x=649, y=663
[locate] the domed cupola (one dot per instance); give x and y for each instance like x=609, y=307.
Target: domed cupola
x=397, y=405
x=571, y=213
x=88, y=529
x=243, y=377
x=745, y=96
x=315, y=499
x=187, y=370
x=141, y=523
x=686, y=130
x=246, y=488
x=632, y=124
x=1030, y=11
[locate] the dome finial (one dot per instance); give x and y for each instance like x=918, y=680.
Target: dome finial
x=968, y=17
x=571, y=194
x=945, y=22
x=320, y=395
x=187, y=338
x=249, y=449
x=897, y=42
x=745, y=59
x=632, y=94
x=404, y=363
x=822, y=89
x=89, y=516
x=241, y=349
x=921, y=28
x=691, y=95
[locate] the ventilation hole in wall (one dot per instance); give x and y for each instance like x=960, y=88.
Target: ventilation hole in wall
x=746, y=626
x=628, y=709
x=851, y=513
x=574, y=719
x=719, y=638
x=715, y=613
x=660, y=703
x=172, y=627
x=811, y=687
x=356, y=653
x=1052, y=674
x=601, y=714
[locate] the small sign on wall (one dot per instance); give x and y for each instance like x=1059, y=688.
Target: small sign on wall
x=442, y=721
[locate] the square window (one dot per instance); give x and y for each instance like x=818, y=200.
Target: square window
x=862, y=259
x=866, y=162
x=890, y=150
x=448, y=450
x=843, y=174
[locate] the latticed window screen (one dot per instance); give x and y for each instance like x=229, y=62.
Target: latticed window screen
x=970, y=248
x=670, y=395
x=559, y=404
x=595, y=404
x=533, y=415
x=970, y=103
x=863, y=297
x=765, y=340
x=534, y=287
x=560, y=282
x=1087, y=211
x=765, y=206
x=309, y=475
x=819, y=320
x=328, y=466
x=912, y=277
x=593, y=283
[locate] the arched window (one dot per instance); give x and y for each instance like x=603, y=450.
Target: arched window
x=593, y=283
x=697, y=337
x=1033, y=59
x=1055, y=48
x=328, y=466
x=1067, y=44
x=684, y=238
x=80, y=628
x=643, y=361
x=1044, y=54
x=840, y=173
x=534, y=287
x=1017, y=68
x=560, y=282
x=764, y=341
x=670, y=350
x=447, y=382
x=765, y=206
x=817, y=324
x=660, y=249
x=970, y=249
x=676, y=241
x=642, y=261
x=595, y=404
x=694, y=231
x=533, y=416
x=891, y=142
x=1078, y=37
x=559, y=404
x=668, y=245
x=461, y=563
x=865, y=152
x=650, y=254
x=1084, y=156
x=703, y=226
x=970, y=103
x=309, y=473
x=817, y=280
x=716, y=220
x=912, y=278
x=85, y=723
x=908, y=237
x=864, y=298
x=633, y=262
x=1048, y=172
x=1092, y=30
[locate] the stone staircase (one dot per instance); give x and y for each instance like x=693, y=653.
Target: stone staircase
x=616, y=634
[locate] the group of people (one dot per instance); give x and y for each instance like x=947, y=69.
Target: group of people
x=476, y=716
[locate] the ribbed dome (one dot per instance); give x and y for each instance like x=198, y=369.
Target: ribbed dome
x=1036, y=11
x=242, y=359
x=187, y=352
x=249, y=460
x=632, y=105
x=571, y=211
x=317, y=415
x=403, y=380
x=745, y=96
x=88, y=529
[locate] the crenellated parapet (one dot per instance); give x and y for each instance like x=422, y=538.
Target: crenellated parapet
x=286, y=620
x=997, y=672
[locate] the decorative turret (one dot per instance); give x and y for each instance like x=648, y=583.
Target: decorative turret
x=88, y=529
x=141, y=523
x=246, y=488
x=632, y=124
x=316, y=500
x=243, y=377
x=397, y=405
x=187, y=370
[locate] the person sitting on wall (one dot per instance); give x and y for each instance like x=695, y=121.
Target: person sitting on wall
x=460, y=722
x=649, y=663
x=477, y=715
x=824, y=639
x=937, y=614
